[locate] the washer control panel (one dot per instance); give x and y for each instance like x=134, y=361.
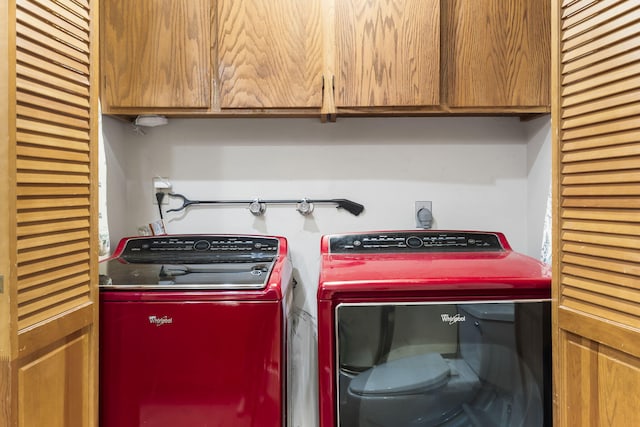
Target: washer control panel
x=418, y=241
x=199, y=247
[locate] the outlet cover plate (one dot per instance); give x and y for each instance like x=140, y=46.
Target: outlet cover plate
x=162, y=184
x=422, y=222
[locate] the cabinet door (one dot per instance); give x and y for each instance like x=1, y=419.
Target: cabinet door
x=269, y=53
x=498, y=53
x=596, y=286
x=387, y=53
x=156, y=54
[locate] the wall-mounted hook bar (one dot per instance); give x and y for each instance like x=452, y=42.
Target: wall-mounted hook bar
x=258, y=206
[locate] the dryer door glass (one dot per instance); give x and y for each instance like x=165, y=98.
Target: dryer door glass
x=443, y=364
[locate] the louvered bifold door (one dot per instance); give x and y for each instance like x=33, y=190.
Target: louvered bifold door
x=53, y=159
x=596, y=119
x=55, y=210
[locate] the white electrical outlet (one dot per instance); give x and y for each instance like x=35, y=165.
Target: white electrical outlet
x=160, y=184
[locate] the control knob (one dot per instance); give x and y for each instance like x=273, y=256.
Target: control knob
x=201, y=245
x=414, y=242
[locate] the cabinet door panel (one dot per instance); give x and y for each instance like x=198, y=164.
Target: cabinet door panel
x=600, y=384
x=388, y=53
x=156, y=53
x=498, y=53
x=53, y=388
x=269, y=53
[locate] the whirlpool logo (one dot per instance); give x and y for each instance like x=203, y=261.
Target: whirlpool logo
x=447, y=318
x=159, y=321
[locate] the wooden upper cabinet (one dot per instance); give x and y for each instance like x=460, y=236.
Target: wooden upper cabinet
x=269, y=53
x=498, y=53
x=252, y=57
x=387, y=53
x=156, y=54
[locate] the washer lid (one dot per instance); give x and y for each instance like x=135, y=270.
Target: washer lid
x=221, y=276
x=420, y=373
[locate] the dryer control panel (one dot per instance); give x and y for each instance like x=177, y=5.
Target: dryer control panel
x=416, y=241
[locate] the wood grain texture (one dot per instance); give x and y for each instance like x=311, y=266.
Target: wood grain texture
x=48, y=353
x=498, y=53
x=8, y=405
x=388, y=53
x=269, y=53
x=66, y=135
x=48, y=381
x=328, y=110
x=156, y=53
x=601, y=384
x=596, y=284
x=579, y=375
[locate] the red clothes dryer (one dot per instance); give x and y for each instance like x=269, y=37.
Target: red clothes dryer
x=193, y=331
x=432, y=328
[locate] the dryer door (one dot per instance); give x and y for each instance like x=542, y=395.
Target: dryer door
x=432, y=364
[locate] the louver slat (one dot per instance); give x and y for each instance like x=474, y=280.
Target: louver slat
x=55, y=262
x=43, y=241
x=47, y=104
x=46, y=23
x=621, y=215
x=52, y=141
x=571, y=7
x=607, y=140
x=624, y=175
x=602, y=227
x=618, y=153
x=34, y=74
x=601, y=190
x=53, y=276
x=36, y=49
x=611, y=114
x=50, y=307
x=613, y=279
x=601, y=93
x=57, y=286
x=603, y=202
x=598, y=105
x=52, y=250
x=616, y=17
x=601, y=48
x=604, y=240
x=44, y=153
x=604, y=53
x=70, y=20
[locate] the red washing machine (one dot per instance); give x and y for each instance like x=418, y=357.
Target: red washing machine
x=193, y=331
x=432, y=328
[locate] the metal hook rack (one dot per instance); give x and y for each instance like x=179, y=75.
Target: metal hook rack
x=258, y=206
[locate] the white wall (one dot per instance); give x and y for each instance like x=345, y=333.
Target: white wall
x=115, y=134
x=538, y=136
x=480, y=173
